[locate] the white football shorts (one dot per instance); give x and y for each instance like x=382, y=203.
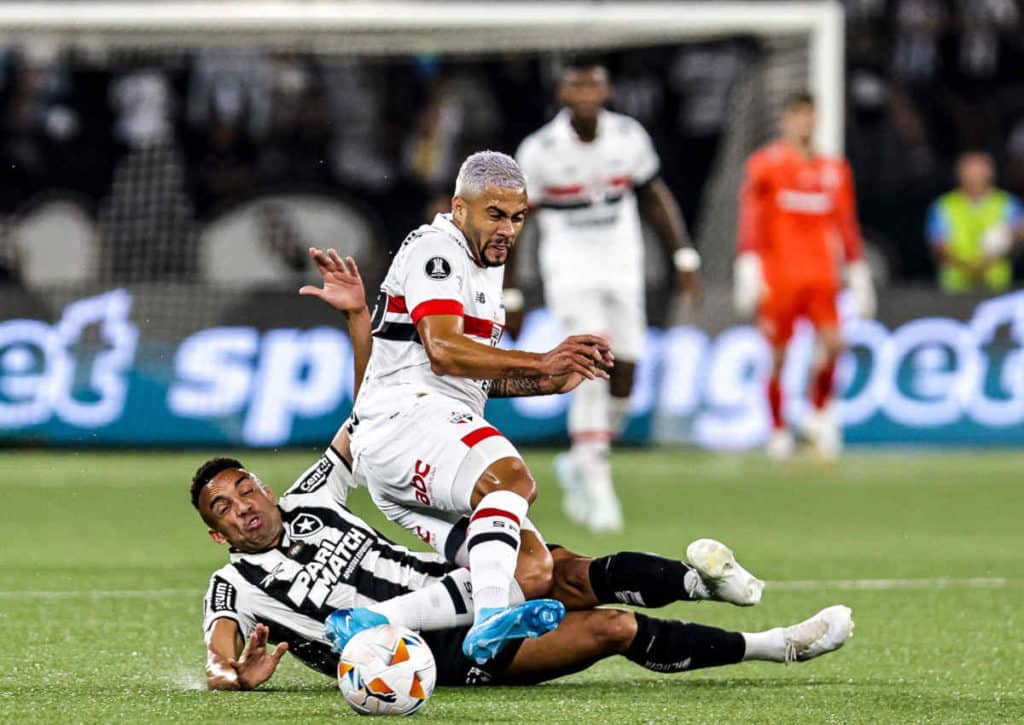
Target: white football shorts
x=421, y=462
x=616, y=312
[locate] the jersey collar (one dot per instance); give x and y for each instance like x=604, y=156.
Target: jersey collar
x=564, y=123
x=445, y=224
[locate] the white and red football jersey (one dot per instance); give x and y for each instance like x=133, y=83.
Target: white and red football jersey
x=583, y=196
x=433, y=273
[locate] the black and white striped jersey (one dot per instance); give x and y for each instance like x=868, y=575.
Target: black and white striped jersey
x=328, y=559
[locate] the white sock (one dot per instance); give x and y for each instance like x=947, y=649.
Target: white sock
x=442, y=605
x=769, y=645
x=591, y=460
x=493, y=543
x=618, y=414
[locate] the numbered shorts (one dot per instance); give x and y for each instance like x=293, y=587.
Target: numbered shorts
x=617, y=313
x=783, y=306
x=421, y=464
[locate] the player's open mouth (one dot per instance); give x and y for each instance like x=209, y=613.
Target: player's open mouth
x=255, y=522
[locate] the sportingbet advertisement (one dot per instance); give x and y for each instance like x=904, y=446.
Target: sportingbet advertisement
x=90, y=374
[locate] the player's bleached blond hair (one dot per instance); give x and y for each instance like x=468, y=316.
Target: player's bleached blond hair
x=488, y=168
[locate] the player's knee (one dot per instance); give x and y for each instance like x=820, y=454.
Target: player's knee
x=571, y=577
x=508, y=474
x=833, y=345
x=613, y=629
x=535, y=574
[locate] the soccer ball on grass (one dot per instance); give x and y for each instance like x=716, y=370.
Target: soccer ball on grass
x=386, y=670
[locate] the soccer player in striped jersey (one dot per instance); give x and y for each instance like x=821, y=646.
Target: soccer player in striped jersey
x=294, y=560
x=419, y=436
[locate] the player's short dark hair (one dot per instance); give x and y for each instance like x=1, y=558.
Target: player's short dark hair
x=583, y=61
x=799, y=99
x=208, y=471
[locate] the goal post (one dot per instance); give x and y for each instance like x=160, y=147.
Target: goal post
x=389, y=28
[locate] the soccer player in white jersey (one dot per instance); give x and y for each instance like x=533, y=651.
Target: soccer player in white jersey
x=295, y=559
x=419, y=436
x=590, y=173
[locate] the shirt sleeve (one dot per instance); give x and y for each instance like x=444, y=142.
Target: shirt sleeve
x=846, y=216
x=222, y=601
x=434, y=273
x=937, y=226
x=330, y=471
x=646, y=164
x=753, y=207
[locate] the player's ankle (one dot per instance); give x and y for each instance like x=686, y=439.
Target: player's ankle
x=767, y=646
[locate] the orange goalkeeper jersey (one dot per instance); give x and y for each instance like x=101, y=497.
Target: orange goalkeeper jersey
x=799, y=215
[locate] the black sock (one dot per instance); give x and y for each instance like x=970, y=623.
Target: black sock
x=666, y=645
x=647, y=580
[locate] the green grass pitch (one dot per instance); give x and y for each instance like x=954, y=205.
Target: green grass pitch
x=103, y=563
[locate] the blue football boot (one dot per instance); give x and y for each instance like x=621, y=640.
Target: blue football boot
x=495, y=626
x=344, y=624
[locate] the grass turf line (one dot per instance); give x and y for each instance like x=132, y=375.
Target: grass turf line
x=73, y=522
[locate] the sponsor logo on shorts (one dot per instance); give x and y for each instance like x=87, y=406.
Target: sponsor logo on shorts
x=438, y=268
x=460, y=418
x=419, y=482
x=476, y=676
x=425, y=535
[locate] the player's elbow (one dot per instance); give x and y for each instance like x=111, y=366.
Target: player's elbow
x=442, y=361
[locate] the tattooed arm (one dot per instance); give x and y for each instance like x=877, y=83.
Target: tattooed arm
x=521, y=383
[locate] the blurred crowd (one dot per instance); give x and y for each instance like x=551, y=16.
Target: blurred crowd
x=161, y=144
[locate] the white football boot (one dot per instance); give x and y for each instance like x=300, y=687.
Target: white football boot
x=780, y=445
x=825, y=632
x=575, y=504
x=726, y=580
x=822, y=430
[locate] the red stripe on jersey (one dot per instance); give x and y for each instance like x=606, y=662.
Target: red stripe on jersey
x=436, y=307
x=620, y=181
x=397, y=304
x=563, y=190
x=486, y=513
x=480, y=434
x=477, y=326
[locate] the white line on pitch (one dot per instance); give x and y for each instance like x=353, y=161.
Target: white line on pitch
x=883, y=584
x=789, y=585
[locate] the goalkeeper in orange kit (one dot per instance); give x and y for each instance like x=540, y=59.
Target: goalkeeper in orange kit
x=798, y=228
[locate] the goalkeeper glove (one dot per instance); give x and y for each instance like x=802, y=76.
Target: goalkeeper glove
x=863, y=289
x=748, y=284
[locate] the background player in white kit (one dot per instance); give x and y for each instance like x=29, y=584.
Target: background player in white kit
x=419, y=437
x=590, y=172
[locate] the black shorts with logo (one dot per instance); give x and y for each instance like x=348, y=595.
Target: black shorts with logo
x=455, y=669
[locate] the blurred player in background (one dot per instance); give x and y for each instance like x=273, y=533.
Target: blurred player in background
x=798, y=227
x=590, y=172
x=974, y=229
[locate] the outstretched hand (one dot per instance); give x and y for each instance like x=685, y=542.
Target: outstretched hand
x=257, y=664
x=343, y=287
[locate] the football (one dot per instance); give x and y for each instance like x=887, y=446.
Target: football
x=386, y=670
